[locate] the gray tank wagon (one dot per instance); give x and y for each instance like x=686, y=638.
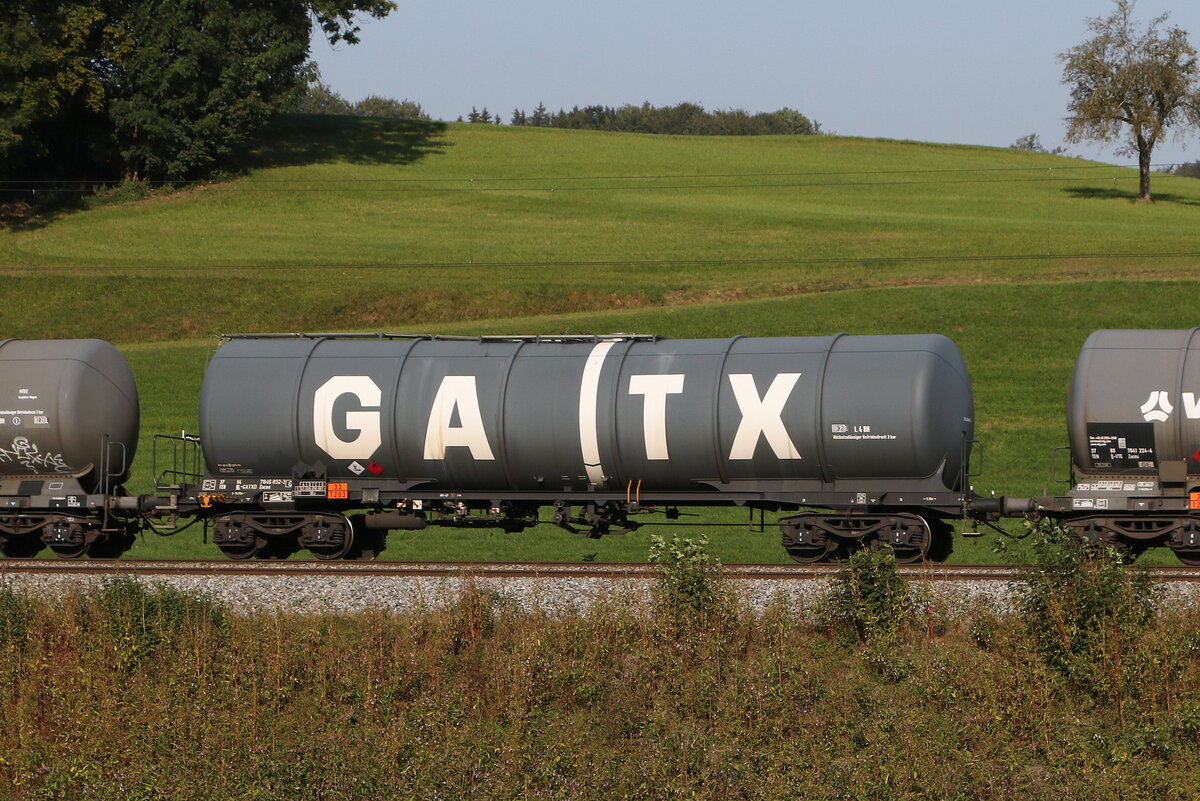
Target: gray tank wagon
x=68, y=433
x=325, y=442
x=299, y=431
x=1133, y=420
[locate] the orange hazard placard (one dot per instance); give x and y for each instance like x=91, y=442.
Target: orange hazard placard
x=340, y=489
x=1194, y=500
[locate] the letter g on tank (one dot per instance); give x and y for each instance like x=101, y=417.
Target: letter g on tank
x=363, y=421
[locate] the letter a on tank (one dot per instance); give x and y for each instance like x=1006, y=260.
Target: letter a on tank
x=457, y=392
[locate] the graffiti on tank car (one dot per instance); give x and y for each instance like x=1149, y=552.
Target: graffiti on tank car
x=32, y=458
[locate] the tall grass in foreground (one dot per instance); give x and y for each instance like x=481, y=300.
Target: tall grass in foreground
x=152, y=694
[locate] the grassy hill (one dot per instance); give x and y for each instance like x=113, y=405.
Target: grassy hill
x=357, y=224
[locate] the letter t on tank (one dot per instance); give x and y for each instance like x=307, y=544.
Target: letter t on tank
x=655, y=389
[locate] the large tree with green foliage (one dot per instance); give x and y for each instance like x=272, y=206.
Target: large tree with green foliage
x=1132, y=85
x=52, y=69
x=160, y=88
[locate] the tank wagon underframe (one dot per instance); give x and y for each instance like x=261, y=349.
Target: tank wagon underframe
x=57, y=513
x=1132, y=512
x=275, y=516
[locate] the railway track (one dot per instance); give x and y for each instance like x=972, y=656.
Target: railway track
x=547, y=570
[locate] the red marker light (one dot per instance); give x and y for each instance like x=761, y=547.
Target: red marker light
x=375, y=467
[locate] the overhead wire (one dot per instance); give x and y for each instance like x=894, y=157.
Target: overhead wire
x=484, y=183
x=539, y=264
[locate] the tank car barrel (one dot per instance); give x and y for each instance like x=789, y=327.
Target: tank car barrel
x=596, y=415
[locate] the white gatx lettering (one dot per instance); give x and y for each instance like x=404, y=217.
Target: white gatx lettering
x=589, y=391
x=655, y=389
x=366, y=423
x=456, y=392
x=762, y=417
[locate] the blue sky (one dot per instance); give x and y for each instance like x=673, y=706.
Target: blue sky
x=929, y=70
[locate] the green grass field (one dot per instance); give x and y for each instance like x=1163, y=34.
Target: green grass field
x=356, y=224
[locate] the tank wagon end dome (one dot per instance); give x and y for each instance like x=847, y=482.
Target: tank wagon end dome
x=68, y=407
x=1134, y=402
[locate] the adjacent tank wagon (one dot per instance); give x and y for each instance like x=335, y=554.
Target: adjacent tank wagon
x=298, y=431
x=68, y=433
x=1133, y=421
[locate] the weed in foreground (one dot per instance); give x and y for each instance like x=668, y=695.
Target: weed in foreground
x=690, y=574
x=473, y=699
x=140, y=619
x=869, y=600
x=1088, y=615
x=14, y=615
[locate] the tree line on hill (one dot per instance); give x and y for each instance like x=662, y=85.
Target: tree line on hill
x=99, y=90
x=683, y=118
x=318, y=98
x=1189, y=170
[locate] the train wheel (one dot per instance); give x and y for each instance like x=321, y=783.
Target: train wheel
x=807, y=544
x=67, y=550
x=1129, y=549
x=23, y=547
x=327, y=552
x=909, y=536
x=1090, y=532
x=235, y=537
x=1191, y=558
x=941, y=544
x=239, y=550
x=1096, y=533
x=328, y=538
x=112, y=546
x=368, y=542
x=810, y=554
